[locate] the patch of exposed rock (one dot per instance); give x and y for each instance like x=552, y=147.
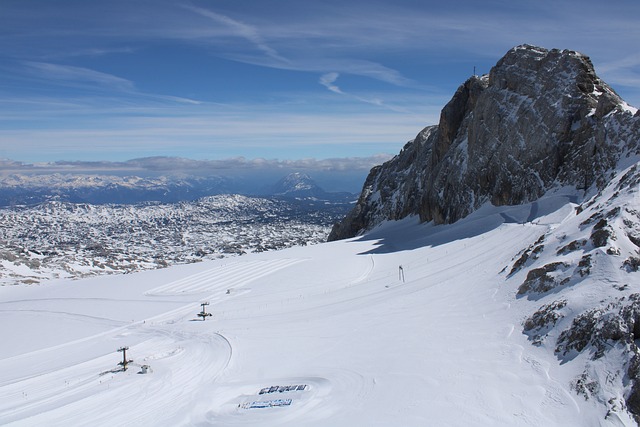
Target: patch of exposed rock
x=544, y=279
x=614, y=327
x=527, y=256
x=542, y=321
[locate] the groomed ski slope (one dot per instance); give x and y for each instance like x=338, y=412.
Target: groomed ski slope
x=442, y=348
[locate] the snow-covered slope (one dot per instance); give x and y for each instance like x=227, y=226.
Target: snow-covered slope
x=411, y=324
x=583, y=275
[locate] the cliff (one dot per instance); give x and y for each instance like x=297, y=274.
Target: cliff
x=539, y=120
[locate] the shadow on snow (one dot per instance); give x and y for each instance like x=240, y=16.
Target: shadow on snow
x=409, y=234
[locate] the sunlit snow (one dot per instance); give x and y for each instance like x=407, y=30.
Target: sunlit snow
x=441, y=346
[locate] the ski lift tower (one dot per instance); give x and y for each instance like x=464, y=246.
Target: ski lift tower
x=124, y=362
x=204, y=313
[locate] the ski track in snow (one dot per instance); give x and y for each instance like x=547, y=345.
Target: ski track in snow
x=226, y=277
x=61, y=384
x=370, y=348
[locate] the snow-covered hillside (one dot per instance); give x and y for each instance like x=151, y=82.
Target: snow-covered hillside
x=64, y=240
x=410, y=324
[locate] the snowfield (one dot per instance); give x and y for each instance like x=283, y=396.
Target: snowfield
x=442, y=346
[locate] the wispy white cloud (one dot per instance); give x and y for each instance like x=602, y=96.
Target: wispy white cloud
x=623, y=71
x=89, y=52
x=301, y=50
x=328, y=80
x=629, y=61
x=77, y=75
x=81, y=77
x=165, y=164
x=241, y=29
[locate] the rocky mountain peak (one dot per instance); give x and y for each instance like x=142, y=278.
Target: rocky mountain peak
x=297, y=180
x=540, y=119
x=562, y=75
x=297, y=184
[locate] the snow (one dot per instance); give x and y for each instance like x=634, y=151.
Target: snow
x=629, y=108
x=444, y=347
x=63, y=239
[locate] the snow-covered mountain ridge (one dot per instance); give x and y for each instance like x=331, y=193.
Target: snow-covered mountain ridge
x=94, y=188
x=540, y=119
x=57, y=239
x=31, y=189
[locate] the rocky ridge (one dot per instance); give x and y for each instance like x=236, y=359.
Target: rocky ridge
x=539, y=120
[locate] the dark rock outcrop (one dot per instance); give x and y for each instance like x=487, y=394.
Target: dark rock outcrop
x=542, y=280
x=541, y=118
x=542, y=321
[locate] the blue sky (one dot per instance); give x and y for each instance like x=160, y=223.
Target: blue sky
x=120, y=79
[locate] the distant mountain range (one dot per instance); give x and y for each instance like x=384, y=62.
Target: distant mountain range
x=32, y=189
x=171, y=179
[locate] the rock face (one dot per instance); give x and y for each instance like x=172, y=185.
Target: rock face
x=541, y=118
